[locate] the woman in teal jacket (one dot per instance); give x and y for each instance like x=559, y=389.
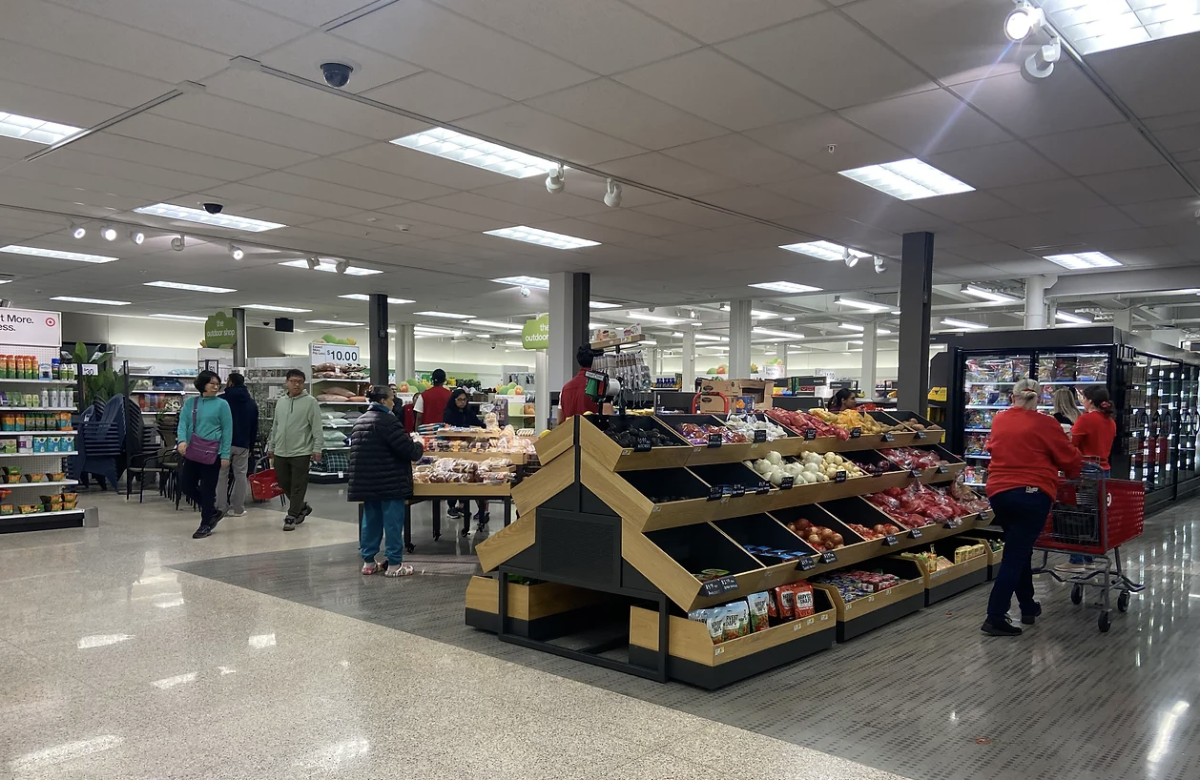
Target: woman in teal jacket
x=213, y=421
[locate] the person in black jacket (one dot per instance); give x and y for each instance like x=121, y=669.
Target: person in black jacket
x=231, y=500
x=381, y=458
x=458, y=414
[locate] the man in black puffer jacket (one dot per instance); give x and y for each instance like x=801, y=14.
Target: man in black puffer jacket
x=381, y=458
x=232, y=499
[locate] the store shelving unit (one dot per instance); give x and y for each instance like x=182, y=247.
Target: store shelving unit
x=335, y=459
x=613, y=532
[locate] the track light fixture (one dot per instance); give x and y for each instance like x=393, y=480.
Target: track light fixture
x=880, y=265
x=556, y=181
x=236, y=252
x=109, y=233
x=79, y=231
x=1022, y=21
x=612, y=195
x=1040, y=64
x=341, y=266
x=137, y=237
x=178, y=242
x=849, y=258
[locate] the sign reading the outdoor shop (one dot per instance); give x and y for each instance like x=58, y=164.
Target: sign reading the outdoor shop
x=324, y=352
x=536, y=333
x=220, y=331
x=28, y=328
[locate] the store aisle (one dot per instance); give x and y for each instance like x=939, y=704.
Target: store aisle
x=116, y=664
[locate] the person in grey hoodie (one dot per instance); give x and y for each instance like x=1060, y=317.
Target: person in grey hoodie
x=295, y=442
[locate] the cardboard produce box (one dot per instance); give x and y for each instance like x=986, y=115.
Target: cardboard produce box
x=754, y=393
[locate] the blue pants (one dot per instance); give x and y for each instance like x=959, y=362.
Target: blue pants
x=1022, y=515
x=378, y=517
x=1094, y=472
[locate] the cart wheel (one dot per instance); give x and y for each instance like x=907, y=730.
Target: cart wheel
x=410, y=547
x=1104, y=623
x=1076, y=594
x=1123, y=601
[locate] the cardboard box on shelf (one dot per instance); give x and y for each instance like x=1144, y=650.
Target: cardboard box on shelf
x=752, y=392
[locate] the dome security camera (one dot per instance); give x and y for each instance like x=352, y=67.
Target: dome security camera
x=337, y=74
x=213, y=208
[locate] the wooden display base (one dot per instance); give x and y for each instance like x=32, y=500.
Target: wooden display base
x=540, y=611
x=857, y=617
x=993, y=556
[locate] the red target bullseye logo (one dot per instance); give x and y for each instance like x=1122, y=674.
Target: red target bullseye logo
x=51, y=322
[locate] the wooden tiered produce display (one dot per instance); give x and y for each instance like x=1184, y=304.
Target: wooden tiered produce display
x=656, y=524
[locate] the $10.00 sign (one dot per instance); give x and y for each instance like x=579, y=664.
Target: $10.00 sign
x=333, y=353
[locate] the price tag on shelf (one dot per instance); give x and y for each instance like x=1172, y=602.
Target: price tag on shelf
x=915, y=532
x=642, y=445
x=341, y=475
x=738, y=491
x=985, y=516
x=916, y=473
x=810, y=434
x=855, y=433
x=716, y=492
x=890, y=540
x=333, y=353
x=954, y=523
x=921, y=435
x=839, y=476
x=714, y=440
x=762, y=489
x=787, y=483
x=943, y=469
x=888, y=437
x=720, y=585
x=760, y=436
x=828, y=557
x=806, y=563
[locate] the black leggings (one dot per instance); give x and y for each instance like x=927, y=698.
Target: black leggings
x=199, y=483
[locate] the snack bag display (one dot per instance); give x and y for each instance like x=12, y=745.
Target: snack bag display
x=786, y=598
x=714, y=619
x=737, y=620
x=759, y=611
x=802, y=597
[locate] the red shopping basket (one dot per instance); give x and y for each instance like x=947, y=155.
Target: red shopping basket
x=264, y=486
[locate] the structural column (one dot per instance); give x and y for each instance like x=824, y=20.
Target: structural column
x=377, y=337
x=1123, y=319
x=866, y=381
x=541, y=396
x=739, y=340
x=688, y=380
x=570, y=294
x=1052, y=314
x=916, y=289
x=1035, y=303
x=239, y=347
x=406, y=353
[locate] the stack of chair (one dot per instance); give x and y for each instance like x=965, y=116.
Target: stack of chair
x=100, y=441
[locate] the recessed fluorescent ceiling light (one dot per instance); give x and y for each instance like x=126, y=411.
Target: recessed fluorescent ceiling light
x=967, y=324
x=514, y=344
x=525, y=281
x=603, y=305
x=463, y=148
x=822, y=250
x=783, y=334
x=633, y=315
x=1071, y=317
x=191, y=287
x=13, y=249
x=541, y=237
x=218, y=220
x=361, y=297
x=187, y=317
x=866, y=305
x=786, y=287
x=336, y=322
x=449, y=315
x=852, y=326
x=270, y=307
x=908, y=179
x=762, y=315
x=101, y=301
x=1099, y=25
x=1081, y=260
x=492, y=324
x=703, y=337
x=330, y=266
x=37, y=130
x=989, y=295
x=434, y=331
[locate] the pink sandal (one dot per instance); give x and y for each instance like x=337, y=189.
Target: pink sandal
x=370, y=568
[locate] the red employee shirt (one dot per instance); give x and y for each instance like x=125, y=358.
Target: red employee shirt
x=1028, y=449
x=1093, y=434
x=433, y=404
x=572, y=401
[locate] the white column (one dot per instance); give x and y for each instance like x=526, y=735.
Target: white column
x=1035, y=303
x=739, y=340
x=866, y=380
x=406, y=353
x=1123, y=319
x=689, y=360
x=1052, y=313
x=541, y=382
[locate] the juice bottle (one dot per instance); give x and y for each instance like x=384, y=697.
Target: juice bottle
x=20, y=421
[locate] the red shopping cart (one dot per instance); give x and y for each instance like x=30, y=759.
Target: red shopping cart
x=1094, y=517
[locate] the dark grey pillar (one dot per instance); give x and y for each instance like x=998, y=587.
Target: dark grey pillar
x=581, y=312
x=239, y=346
x=377, y=335
x=916, y=287
x=570, y=294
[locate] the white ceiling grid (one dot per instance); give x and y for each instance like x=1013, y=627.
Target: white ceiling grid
x=702, y=101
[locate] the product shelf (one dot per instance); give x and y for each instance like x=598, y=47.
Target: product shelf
x=37, y=433
x=949, y=581
x=36, y=454
x=11, y=381
x=857, y=617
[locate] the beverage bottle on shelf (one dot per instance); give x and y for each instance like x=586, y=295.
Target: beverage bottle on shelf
x=45, y=397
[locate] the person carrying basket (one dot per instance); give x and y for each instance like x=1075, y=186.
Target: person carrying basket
x=1028, y=450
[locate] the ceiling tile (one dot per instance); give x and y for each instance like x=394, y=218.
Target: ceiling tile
x=46, y=70
x=402, y=230
x=967, y=207
x=1181, y=139
x=718, y=20
x=1099, y=149
x=311, y=12
x=809, y=140
x=1092, y=220
x=1120, y=240
x=627, y=114
x=666, y=173
x=1000, y=165
x=1049, y=195
x=532, y=192
x=1028, y=230
x=71, y=188
x=436, y=96
x=71, y=159
x=927, y=123
x=135, y=150
x=604, y=36
x=714, y=87
x=742, y=159
x=370, y=179
x=593, y=231
x=360, y=199
x=834, y=227
x=1140, y=185
x=402, y=161
x=303, y=57
x=437, y=215
x=994, y=254
x=1163, y=212
x=759, y=202
x=491, y=208
x=53, y=106
x=1155, y=79
x=217, y=143
x=436, y=39
x=637, y=222
x=690, y=213
x=832, y=192
x=281, y=200
x=548, y=135
x=799, y=55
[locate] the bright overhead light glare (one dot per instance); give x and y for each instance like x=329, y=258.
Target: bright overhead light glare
x=706, y=337
x=494, y=324
x=1113, y=24
x=336, y=323
x=781, y=334
x=525, y=281
x=445, y=315
x=989, y=295
x=1040, y=64
x=459, y=147
x=362, y=297
x=964, y=324
x=14, y=249
x=1082, y=260
x=184, y=317
x=882, y=332
x=908, y=179
x=1021, y=21
x=1072, y=317
x=108, y=233
x=270, y=307
x=822, y=250
x=190, y=287
x=37, y=130
x=541, y=237
x=79, y=232
x=633, y=315
x=789, y=319
x=786, y=287
x=864, y=305
x=236, y=252
x=137, y=237
x=603, y=305
x=852, y=326
x=101, y=301
x=429, y=330
x=217, y=220
x=330, y=265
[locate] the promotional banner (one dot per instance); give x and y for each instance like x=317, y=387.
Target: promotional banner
x=536, y=333
x=29, y=328
x=220, y=331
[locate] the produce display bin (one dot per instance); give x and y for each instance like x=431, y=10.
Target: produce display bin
x=993, y=556
x=857, y=617
x=618, y=457
x=955, y=579
x=714, y=453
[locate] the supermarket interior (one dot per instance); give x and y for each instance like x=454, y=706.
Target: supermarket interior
x=640, y=389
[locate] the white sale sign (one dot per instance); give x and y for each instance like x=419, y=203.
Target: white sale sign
x=333, y=353
x=30, y=328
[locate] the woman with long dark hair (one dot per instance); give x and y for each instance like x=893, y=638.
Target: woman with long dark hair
x=843, y=400
x=205, y=438
x=1093, y=433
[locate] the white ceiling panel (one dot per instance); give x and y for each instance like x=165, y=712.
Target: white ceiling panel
x=434, y=38
x=280, y=200
x=718, y=20
x=218, y=143
x=835, y=193
x=57, y=73
x=19, y=185
x=720, y=90
x=1122, y=240
x=627, y=114
x=361, y=200
x=1000, y=165
x=1155, y=79
x=605, y=234
x=759, y=202
x=304, y=240
x=159, y=156
x=87, y=37
x=1098, y=149
x=447, y=217
x=1162, y=212
x=839, y=229
x=386, y=234
x=402, y=161
x=532, y=192
x=809, y=139
x=436, y=96
x=828, y=59
x=658, y=170
x=229, y=27
x=304, y=56
x=1180, y=140
x=1140, y=185
x=96, y=164
x=16, y=149
x=968, y=207
x=604, y=36
x=53, y=106
x=741, y=159
x=927, y=123
x=690, y=213
x=1049, y=195
x=402, y=230
x=548, y=135
x=360, y=177
x=491, y=208
x=311, y=12
x=1093, y=220
x=637, y=222
x=1030, y=230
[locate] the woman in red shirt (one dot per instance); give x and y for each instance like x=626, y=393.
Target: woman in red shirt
x=1028, y=450
x=1093, y=434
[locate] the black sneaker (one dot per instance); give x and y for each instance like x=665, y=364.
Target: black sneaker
x=1002, y=628
x=305, y=512
x=1028, y=618
x=452, y=512
x=289, y=523
x=203, y=532
x=216, y=519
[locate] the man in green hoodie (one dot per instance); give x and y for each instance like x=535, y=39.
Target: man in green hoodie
x=295, y=441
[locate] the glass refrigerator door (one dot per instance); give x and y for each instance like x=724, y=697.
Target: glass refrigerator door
x=1188, y=431
x=987, y=382
x=1156, y=457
